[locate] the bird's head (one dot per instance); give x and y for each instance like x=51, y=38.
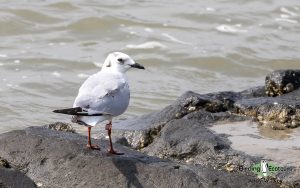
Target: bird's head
x=120, y=62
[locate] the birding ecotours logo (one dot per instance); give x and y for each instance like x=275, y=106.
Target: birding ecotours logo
x=264, y=168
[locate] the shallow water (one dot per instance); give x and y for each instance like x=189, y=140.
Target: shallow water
x=281, y=146
x=48, y=48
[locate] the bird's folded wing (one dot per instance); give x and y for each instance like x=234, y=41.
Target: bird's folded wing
x=102, y=100
x=80, y=112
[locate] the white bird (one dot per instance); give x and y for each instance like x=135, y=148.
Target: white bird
x=103, y=95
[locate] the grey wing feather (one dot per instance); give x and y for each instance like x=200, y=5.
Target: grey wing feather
x=105, y=94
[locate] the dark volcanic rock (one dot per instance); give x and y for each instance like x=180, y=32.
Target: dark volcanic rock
x=60, y=159
x=189, y=141
x=278, y=112
x=139, y=132
x=282, y=81
x=10, y=178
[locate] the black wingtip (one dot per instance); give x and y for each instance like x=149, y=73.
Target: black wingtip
x=69, y=111
x=76, y=111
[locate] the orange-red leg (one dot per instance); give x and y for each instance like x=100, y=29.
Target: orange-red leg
x=89, y=145
x=111, y=150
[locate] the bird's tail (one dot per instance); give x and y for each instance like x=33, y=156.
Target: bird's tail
x=78, y=111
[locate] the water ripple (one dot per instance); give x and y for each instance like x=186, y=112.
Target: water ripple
x=48, y=48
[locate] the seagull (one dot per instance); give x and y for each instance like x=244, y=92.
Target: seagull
x=103, y=95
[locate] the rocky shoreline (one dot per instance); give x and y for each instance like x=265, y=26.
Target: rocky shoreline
x=173, y=147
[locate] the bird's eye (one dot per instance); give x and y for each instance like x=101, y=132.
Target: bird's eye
x=121, y=61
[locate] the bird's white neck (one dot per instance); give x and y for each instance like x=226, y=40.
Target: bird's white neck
x=112, y=71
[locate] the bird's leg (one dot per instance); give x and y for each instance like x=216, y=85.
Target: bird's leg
x=111, y=150
x=89, y=145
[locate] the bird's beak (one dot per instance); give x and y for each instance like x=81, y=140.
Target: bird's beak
x=138, y=66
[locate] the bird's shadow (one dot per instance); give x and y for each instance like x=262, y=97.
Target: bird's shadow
x=128, y=168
